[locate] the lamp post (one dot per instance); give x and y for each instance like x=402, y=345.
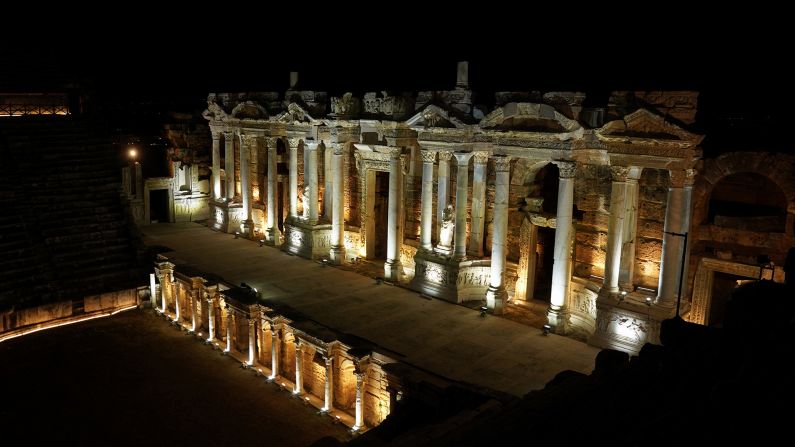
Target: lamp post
x=681, y=268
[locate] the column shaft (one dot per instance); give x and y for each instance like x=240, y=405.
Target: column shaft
x=478, y=204
x=561, y=267
x=193, y=305
x=177, y=307
x=216, y=165
x=152, y=291
x=426, y=217
x=252, y=341
x=246, y=142
x=462, y=182
x=328, y=390
x=627, y=267
x=229, y=164
x=274, y=353
x=442, y=188
x=337, y=252
x=211, y=319
x=677, y=223
x=293, y=179
x=392, y=266
x=229, y=322
x=310, y=181
x=328, y=181
x=273, y=225
x=615, y=227
x=496, y=295
x=359, y=423
x=299, y=363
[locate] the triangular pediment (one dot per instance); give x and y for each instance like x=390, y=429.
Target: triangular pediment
x=249, y=110
x=434, y=116
x=294, y=114
x=644, y=125
x=530, y=117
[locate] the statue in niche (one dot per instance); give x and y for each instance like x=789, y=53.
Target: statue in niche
x=448, y=225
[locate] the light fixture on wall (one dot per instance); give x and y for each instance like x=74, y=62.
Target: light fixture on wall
x=546, y=329
x=766, y=268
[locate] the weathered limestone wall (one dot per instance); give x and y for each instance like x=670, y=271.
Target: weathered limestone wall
x=344, y=384
x=314, y=373
x=592, y=198
x=376, y=396
x=652, y=199
x=287, y=365
x=112, y=300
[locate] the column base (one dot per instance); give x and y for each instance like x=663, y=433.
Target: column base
x=449, y=278
x=337, y=254
x=273, y=237
x=557, y=318
x=306, y=240
x=495, y=299
x=393, y=270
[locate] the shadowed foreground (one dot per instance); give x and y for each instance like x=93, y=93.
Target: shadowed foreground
x=134, y=380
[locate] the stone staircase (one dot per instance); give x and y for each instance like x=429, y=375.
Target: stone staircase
x=64, y=233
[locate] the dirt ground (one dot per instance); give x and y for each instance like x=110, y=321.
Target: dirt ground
x=132, y=379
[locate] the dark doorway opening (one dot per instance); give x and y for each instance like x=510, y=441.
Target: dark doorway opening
x=546, y=252
x=381, y=213
x=158, y=206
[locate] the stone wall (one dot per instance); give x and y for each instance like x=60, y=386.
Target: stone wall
x=344, y=384
x=376, y=396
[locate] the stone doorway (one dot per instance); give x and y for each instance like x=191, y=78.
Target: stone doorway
x=723, y=285
x=544, y=260
x=158, y=206
x=703, y=285
x=380, y=213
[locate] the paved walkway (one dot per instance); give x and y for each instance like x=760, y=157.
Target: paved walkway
x=447, y=339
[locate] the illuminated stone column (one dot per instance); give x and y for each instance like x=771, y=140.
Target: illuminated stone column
x=615, y=227
x=210, y=318
x=229, y=322
x=462, y=182
x=478, y=204
x=152, y=291
x=246, y=143
x=166, y=278
x=677, y=222
x=310, y=180
x=328, y=394
x=443, y=183
x=229, y=164
x=274, y=353
x=194, y=301
x=216, y=165
x=627, y=268
x=359, y=423
x=328, y=181
x=392, y=266
x=337, y=251
x=293, y=178
x=252, y=341
x=177, y=307
x=561, y=267
x=299, y=364
x=273, y=226
x=426, y=216
x=496, y=295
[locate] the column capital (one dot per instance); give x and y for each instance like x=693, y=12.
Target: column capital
x=311, y=145
x=481, y=157
x=248, y=140
x=216, y=136
x=463, y=158
x=445, y=155
x=619, y=173
x=502, y=163
x=395, y=152
x=337, y=149
x=682, y=178
x=228, y=135
x=293, y=143
x=328, y=360
x=567, y=169
x=273, y=142
x=251, y=321
x=428, y=156
x=299, y=345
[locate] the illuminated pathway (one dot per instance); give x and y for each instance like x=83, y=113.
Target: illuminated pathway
x=444, y=338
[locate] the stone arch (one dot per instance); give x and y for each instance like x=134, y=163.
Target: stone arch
x=778, y=168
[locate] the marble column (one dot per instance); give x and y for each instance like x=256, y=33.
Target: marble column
x=462, y=182
x=229, y=164
x=246, y=143
x=299, y=364
x=229, y=322
x=310, y=181
x=677, y=222
x=177, y=307
x=293, y=178
x=426, y=216
x=478, y=204
x=194, y=304
x=626, y=272
x=166, y=278
x=216, y=165
x=273, y=226
x=252, y=341
x=152, y=291
x=274, y=353
x=615, y=227
x=392, y=266
x=210, y=318
x=328, y=386
x=442, y=188
x=328, y=181
x=337, y=251
x=564, y=232
x=496, y=295
x=359, y=421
